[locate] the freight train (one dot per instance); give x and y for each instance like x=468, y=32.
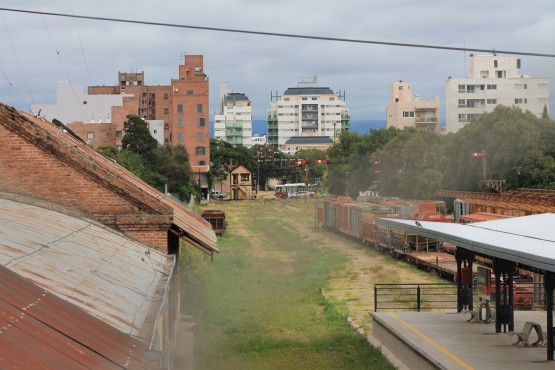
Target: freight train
x=356, y=220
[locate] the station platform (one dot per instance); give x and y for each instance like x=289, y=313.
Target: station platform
x=445, y=340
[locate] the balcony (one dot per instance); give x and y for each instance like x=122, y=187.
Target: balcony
x=345, y=118
x=272, y=119
x=426, y=119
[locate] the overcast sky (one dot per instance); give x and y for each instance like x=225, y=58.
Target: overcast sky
x=92, y=52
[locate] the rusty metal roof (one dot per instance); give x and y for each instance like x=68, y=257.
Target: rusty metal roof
x=196, y=228
x=40, y=330
x=107, y=274
x=137, y=191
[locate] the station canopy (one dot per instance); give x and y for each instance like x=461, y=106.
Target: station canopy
x=526, y=240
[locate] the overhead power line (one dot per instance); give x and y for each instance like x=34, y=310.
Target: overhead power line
x=323, y=38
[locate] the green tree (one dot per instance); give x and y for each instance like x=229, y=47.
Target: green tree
x=138, y=139
x=172, y=162
x=545, y=114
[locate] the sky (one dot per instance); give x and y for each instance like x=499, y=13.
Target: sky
x=37, y=51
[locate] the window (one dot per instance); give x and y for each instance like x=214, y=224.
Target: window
x=180, y=136
x=462, y=88
x=201, y=122
x=245, y=176
x=521, y=101
x=462, y=103
x=303, y=98
x=200, y=150
x=199, y=135
x=166, y=95
x=189, y=92
x=201, y=163
x=179, y=108
x=179, y=122
x=90, y=135
x=166, y=111
x=314, y=98
x=407, y=114
x=286, y=99
x=199, y=108
x=400, y=87
x=492, y=101
x=501, y=74
x=495, y=63
x=492, y=87
x=119, y=134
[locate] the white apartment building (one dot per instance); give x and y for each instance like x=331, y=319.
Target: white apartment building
x=493, y=80
x=234, y=123
x=407, y=111
x=307, y=110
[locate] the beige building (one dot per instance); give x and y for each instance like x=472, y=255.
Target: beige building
x=492, y=80
x=407, y=111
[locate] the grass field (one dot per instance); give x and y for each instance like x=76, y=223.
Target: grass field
x=259, y=304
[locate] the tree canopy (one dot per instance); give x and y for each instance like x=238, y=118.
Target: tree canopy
x=518, y=147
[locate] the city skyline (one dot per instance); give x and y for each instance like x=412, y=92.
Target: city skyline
x=38, y=51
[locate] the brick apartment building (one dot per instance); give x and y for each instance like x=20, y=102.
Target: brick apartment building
x=182, y=106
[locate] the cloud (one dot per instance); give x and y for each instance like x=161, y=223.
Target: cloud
x=258, y=65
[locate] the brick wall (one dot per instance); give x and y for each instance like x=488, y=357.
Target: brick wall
x=39, y=166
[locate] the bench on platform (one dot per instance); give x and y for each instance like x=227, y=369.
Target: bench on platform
x=476, y=314
x=523, y=337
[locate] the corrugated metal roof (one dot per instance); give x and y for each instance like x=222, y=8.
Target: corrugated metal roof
x=39, y=330
x=528, y=240
x=109, y=275
x=202, y=230
x=138, y=191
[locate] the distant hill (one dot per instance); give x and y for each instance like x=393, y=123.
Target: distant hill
x=360, y=127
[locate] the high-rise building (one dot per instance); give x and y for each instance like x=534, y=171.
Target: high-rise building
x=189, y=121
x=234, y=123
x=407, y=111
x=307, y=110
x=176, y=113
x=493, y=80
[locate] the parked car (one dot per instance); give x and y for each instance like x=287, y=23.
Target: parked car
x=217, y=195
x=281, y=194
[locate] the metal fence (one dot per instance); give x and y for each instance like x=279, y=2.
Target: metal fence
x=415, y=297
x=443, y=296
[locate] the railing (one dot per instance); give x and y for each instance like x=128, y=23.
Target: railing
x=415, y=297
x=442, y=296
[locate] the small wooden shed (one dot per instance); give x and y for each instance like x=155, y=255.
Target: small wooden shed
x=240, y=183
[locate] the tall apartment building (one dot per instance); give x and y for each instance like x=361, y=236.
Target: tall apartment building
x=234, y=123
x=493, y=80
x=407, y=111
x=176, y=113
x=307, y=110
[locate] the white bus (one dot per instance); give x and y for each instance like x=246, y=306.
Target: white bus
x=289, y=190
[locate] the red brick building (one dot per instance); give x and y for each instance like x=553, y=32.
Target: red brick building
x=183, y=106
x=45, y=162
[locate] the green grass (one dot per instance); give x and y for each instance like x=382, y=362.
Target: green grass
x=259, y=304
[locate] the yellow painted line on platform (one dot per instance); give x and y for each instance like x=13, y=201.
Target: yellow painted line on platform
x=432, y=342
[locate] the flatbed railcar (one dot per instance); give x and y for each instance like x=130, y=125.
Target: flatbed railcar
x=356, y=220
